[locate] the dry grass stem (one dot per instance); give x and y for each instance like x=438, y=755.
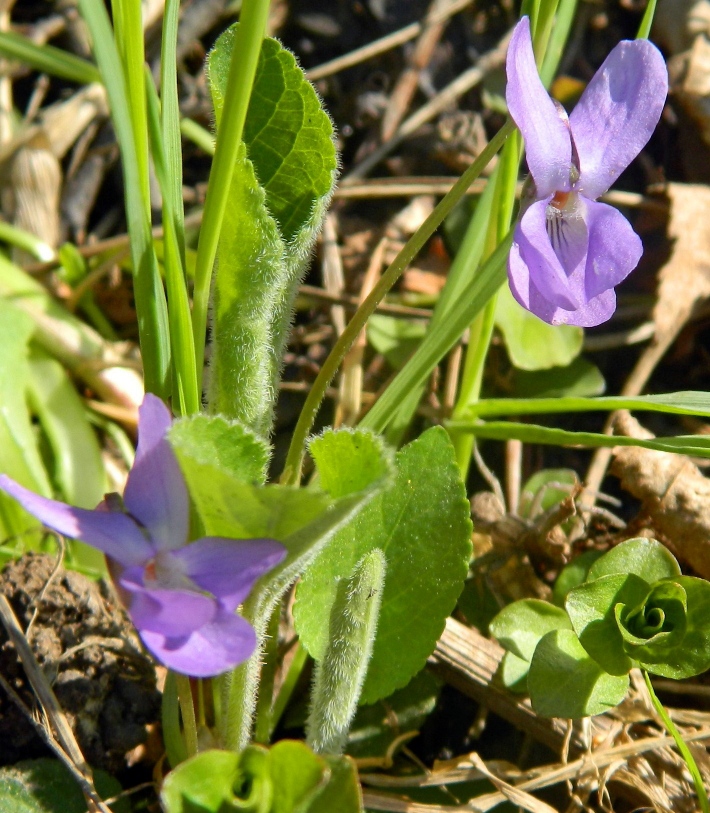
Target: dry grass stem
x=384, y=44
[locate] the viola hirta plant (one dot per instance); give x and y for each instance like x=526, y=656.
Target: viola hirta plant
x=181, y=597
x=569, y=250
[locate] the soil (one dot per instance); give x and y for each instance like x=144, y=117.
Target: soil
x=88, y=648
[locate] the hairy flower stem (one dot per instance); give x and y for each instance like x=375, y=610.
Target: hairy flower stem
x=241, y=686
x=292, y=471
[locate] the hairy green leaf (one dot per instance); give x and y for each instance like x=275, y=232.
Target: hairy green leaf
x=215, y=442
x=281, y=185
x=339, y=675
x=349, y=460
x=305, y=521
x=422, y=524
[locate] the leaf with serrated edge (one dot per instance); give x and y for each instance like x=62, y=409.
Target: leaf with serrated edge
x=281, y=186
x=422, y=524
x=216, y=442
x=348, y=460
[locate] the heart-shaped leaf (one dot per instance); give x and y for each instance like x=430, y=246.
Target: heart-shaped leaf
x=565, y=682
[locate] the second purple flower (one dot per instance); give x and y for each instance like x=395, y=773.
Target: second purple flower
x=569, y=251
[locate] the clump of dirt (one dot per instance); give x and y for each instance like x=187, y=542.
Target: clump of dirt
x=88, y=649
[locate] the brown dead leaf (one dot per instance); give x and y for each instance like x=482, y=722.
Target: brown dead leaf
x=683, y=27
x=32, y=196
x=683, y=284
x=678, y=22
x=675, y=495
x=684, y=281
x=423, y=282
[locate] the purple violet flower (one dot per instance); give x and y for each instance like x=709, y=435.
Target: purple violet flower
x=182, y=598
x=568, y=250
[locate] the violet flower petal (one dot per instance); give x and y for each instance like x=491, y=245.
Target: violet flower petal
x=228, y=568
x=168, y=612
x=555, y=252
x=216, y=647
x=591, y=314
x=618, y=113
x=547, y=139
x=116, y=534
x=614, y=248
x=156, y=494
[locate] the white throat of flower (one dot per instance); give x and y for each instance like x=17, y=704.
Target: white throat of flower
x=566, y=228
x=167, y=572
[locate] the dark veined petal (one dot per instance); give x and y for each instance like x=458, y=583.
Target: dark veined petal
x=156, y=493
x=168, y=612
x=614, y=248
x=547, y=139
x=554, y=250
x=593, y=313
x=228, y=568
x=618, y=113
x=116, y=534
x=216, y=647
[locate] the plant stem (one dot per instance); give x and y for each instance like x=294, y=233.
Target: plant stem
x=264, y=703
x=292, y=471
x=647, y=21
x=242, y=69
x=481, y=331
x=682, y=747
x=172, y=735
x=293, y=675
x=480, y=336
x=128, y=114
x=187, y=710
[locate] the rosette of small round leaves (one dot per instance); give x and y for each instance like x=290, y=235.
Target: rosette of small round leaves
x=636, y=609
